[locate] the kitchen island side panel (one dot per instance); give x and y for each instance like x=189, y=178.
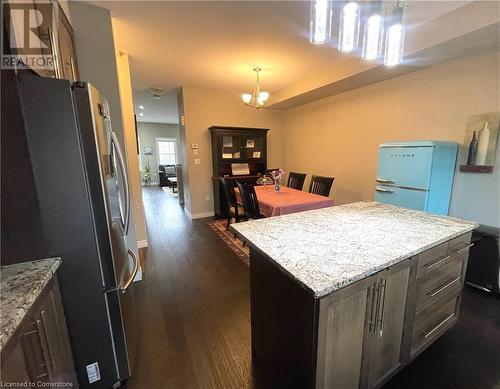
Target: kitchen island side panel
x=284, y=326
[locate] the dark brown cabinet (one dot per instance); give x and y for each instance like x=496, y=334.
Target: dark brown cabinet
x=39, y=350
x=236, y=145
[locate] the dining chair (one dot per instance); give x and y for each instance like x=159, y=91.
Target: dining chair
x=296, y=180
x=249, y=200
x=321, y=185
x=234, y=210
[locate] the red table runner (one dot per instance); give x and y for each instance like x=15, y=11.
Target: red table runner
x=272, y=203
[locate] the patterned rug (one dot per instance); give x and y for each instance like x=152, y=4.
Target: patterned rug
x=236, y=245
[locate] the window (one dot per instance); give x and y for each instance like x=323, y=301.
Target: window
x=166, y=151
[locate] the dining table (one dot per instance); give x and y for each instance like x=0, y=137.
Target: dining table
x=286, y=200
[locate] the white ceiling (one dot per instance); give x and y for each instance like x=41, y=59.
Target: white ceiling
x=163, y=110
x=215, y=44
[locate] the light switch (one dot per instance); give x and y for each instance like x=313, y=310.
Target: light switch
x=197, y=161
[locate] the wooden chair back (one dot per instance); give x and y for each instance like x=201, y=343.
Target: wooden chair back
x=296, y=180
x=249, y=200
x=228, y=188
x=321, y=185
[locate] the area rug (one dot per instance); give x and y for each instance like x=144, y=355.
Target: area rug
x=236, y=245
x=169, y=191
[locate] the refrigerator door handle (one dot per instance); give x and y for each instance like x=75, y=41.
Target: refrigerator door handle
x=121, y=159
x=385, y=181
x=125, y=287
x=383, y=190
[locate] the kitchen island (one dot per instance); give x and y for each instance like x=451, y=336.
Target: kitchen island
x=344, y=297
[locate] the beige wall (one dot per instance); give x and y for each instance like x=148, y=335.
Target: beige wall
x=127, y=106
x=204, y=108
x=338, y=136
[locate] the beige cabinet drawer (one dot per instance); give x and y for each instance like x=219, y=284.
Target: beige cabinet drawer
x=440, y=255
x=459, y=244
x=432, y=259
x=433, y=321
x=444, y=280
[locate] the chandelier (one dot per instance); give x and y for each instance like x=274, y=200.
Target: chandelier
x=258, y=98
x=352, y=19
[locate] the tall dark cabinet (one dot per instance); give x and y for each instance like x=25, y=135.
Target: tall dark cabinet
x=236, y=145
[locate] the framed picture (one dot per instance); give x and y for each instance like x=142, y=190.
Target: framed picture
x=148, y=150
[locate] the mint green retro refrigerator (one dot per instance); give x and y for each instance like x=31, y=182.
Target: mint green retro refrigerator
x=417, y=175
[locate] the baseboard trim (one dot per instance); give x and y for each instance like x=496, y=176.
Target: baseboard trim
x=199, y=215
x=142, y=244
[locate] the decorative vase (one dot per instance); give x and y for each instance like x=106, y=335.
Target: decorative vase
x=483, y=139
x=277, y=184
x=471, y=159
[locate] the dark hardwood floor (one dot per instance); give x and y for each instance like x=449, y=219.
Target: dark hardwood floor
x=194, y=305
x=195, y=317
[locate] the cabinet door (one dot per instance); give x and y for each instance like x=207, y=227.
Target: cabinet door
x=67, y=57
x=341, y=333
x=14, y=366
x=53, y=331
x=386, y=331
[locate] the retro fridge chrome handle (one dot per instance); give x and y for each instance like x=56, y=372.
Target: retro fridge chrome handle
x=383, y=190
x=125, y=287
x=121, y=160
x=384, y=181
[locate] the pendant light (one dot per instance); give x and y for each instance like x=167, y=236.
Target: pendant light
x=373, y=32
x=320, y=23
x=395, y=38
x=349, y=27
x=258, y=98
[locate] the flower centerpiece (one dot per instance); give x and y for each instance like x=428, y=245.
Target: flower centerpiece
x=277, y=176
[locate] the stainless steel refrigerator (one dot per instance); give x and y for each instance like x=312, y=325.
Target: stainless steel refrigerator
x=84, y=199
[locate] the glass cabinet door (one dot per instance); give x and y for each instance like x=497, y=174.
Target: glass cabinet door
x=253, y=147
x=241, y=147
x=230, y=145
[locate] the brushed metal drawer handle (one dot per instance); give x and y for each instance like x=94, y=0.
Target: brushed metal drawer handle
x=442, y=323
x=464, y=248
x=435, y=263
x=442, y=287
x=44, y=346
x=372, y=322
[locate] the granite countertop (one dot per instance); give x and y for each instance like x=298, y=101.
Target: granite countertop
x=329, y=248
x=21, y=285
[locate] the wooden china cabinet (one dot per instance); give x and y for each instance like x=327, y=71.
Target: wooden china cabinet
x=232, y=146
